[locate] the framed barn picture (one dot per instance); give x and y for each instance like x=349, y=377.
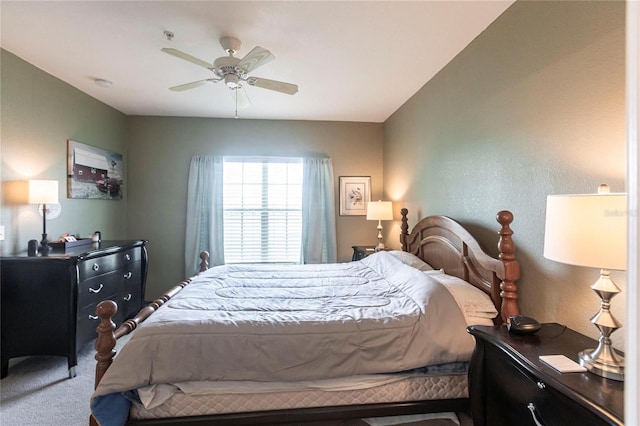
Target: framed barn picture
x=355, y=193
x=94, y=173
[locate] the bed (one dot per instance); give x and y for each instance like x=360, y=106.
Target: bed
x=265, y=344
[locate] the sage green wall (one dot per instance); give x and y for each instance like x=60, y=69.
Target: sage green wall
x=160, y=153
x=534, y=106
x=39, y=113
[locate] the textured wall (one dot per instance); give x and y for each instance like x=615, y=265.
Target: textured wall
x=39, y=113
x=534, y=106
x=160, y=152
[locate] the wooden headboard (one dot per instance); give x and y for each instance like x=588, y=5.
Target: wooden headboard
x=445, y=244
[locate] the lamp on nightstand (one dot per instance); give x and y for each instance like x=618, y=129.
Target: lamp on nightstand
x=380, y=210
x=43, y=192
x=591, y=230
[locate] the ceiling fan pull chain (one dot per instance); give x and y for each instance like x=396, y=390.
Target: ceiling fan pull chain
x=236, y=90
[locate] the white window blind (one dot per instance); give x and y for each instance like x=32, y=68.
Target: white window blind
x=262, y=204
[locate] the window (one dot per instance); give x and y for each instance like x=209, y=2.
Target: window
x=262, y=204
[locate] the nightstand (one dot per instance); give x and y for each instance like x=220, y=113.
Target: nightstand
x=509, y=385
x=360, y=252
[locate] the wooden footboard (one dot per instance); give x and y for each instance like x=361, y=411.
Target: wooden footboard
x=108, y=334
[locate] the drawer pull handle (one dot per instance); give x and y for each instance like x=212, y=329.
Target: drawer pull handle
x=532, y=408
x=93, y=317
x=127, y=257
x=127, y=297
x=96, y=266
x=541, y=385
x=93, y=290
x=128, y=275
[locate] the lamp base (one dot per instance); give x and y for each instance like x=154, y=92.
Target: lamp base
x=613, y=370
x=604, y=361
x=44, y=249
x=380, y=246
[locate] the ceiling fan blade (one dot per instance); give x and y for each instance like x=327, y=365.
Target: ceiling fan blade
x=193, y=84
x=256, y=58
x=187, y=57
x=278, y=86
x=240, y=97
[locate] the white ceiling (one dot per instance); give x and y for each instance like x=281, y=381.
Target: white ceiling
x=353, y=60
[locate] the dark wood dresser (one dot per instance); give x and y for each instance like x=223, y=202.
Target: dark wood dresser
x=49, y=302
x=509, y=385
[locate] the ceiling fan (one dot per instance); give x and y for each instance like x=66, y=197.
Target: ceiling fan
x=234, y=71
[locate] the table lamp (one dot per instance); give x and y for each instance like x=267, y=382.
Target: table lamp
x=591, y=230
x=379, y=210
x=43, y=192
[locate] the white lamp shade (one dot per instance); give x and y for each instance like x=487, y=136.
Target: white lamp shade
x=587, y=230
x=379, y=210
x=43, y=192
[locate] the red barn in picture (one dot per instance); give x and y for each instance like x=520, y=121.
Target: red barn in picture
x=89, y=166
x=94, y=172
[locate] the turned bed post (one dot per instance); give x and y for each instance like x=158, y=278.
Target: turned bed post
x=106, y=341
x=204, y=261
x=404, y=229
x=108, y=335
x=508, y=287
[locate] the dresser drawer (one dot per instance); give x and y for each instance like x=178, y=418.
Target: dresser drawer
x=515, y=396
x=126, y=280
x=131, y=297
x=99, y=265
x=130, y=301
x=101, y=287
x=123, y=285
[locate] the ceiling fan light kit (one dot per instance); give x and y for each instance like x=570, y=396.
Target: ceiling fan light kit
x=234, y=71
x=232, y=81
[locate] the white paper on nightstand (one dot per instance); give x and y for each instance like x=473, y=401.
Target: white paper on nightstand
x=562, y=364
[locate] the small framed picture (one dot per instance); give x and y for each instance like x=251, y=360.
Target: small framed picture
x=355, y=193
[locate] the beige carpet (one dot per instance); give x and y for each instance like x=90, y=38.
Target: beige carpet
x=38, y=392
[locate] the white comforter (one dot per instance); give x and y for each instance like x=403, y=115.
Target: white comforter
x=291, y=323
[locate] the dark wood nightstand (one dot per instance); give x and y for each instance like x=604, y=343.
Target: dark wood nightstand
x=508, y=384
x=360, y=252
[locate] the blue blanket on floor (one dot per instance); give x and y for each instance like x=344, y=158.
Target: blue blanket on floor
x=112, y=409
